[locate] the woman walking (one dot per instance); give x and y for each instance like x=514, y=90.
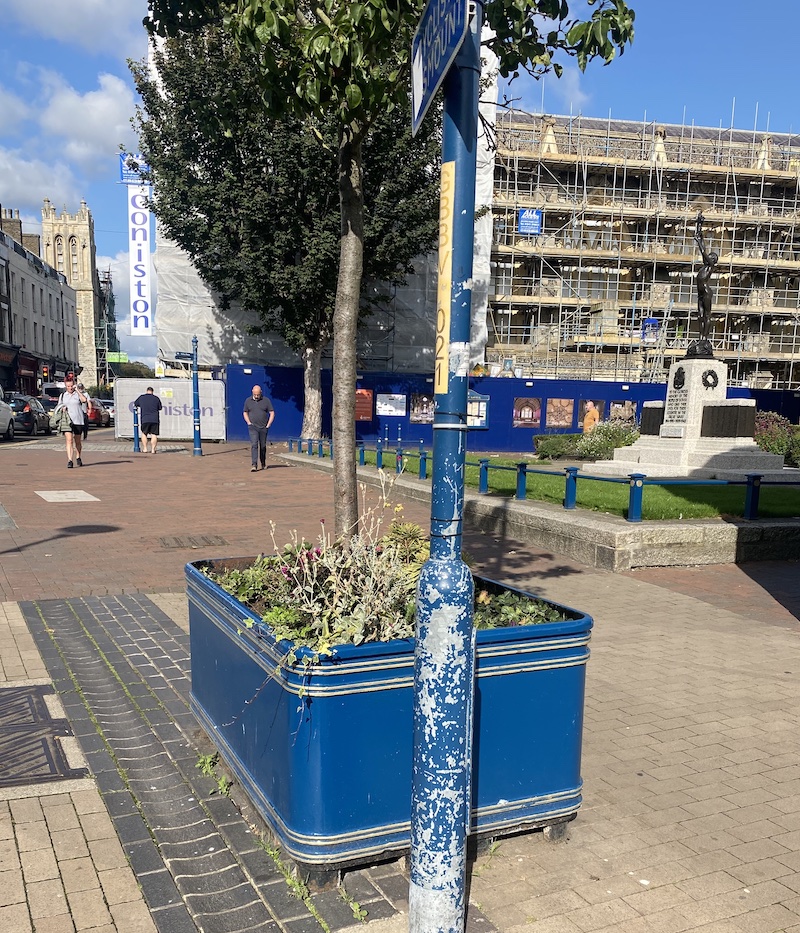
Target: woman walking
x=73, y=400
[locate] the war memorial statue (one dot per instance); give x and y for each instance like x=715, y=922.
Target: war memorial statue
x=701, y=348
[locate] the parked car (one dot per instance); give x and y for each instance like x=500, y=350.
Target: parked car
x=108, y=404
x=6, y=421
x=30, y=416
x=98, y=414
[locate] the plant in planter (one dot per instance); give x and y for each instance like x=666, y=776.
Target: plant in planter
x=302, y=674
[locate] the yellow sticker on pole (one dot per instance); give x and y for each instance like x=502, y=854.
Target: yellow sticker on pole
x=441, y=381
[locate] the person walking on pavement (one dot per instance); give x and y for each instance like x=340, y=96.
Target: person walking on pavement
x=259, y=415
x=73, y=400
x=149, y=406
x=87, y=407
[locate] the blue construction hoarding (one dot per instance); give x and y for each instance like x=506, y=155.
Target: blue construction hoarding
x=401, y=405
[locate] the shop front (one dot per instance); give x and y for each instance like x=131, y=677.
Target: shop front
x=8, y=367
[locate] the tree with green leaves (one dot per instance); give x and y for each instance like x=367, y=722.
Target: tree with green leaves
x=134, y=370
x=253, y=198
x=351, y=61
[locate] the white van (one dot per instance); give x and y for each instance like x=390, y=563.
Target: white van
x=52, y=389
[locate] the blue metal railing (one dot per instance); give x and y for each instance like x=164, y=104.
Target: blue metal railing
x=635, y=481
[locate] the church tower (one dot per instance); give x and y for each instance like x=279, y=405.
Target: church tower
x=68, y=246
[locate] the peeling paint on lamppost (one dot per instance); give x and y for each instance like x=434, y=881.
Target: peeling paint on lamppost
x=444, y=667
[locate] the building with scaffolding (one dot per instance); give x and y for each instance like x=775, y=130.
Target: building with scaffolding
x=106, y=339
x=594, y=258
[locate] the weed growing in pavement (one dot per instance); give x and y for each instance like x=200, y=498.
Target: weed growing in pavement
x=358, y=911
x=207, y=764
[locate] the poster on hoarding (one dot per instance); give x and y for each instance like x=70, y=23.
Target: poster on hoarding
x=421, y=409
x=390, y=405
x=527, y=412
x=363, y=404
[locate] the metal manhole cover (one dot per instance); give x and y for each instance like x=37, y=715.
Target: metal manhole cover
x=30, y=750
x=193, y=541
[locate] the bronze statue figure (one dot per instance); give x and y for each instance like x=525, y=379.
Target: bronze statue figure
x=702, y=347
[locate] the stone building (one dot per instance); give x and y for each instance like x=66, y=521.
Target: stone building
x=594, y=258
x=69, y=246
x=38, y=313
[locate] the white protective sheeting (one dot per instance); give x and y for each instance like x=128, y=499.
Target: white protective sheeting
x=484, y=194
x=186, y=307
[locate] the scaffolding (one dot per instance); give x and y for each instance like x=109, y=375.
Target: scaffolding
x=106, y=340
x=604, y=285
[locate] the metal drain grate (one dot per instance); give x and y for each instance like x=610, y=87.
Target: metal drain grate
x=193, y=541
x=30, y=752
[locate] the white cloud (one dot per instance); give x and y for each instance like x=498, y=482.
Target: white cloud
x=13, y=112
x=99, y=26
x=567, y=91
x=90, y=126
x=549, y=94
x=23, y=182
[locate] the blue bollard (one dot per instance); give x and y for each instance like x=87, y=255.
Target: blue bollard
x=136, y=445
x=361, y=455
x=522, y=480
x=310, y=450
x=635, y=497
x=421, y=447
x=423, y=464
x=398, y=461
x=291, y=444
x=320, y=448
x=571, y=488
x=197, y=450
x=379, y=454
x=751, y=496
x=483, y=477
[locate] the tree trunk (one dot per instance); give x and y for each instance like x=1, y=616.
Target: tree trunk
x=312, y=392
x=345, y=327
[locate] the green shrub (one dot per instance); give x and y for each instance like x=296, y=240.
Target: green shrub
x=600, y=443
x=553, y=446
x=793, y=453
x=773, y=432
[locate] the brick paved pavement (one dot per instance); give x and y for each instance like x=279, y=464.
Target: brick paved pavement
x=691, y=818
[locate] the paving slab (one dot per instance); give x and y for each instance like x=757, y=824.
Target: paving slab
x=691, y=815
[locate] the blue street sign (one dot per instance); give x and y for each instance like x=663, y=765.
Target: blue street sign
x=439, y=36
x=183, y=355
x=529, y=221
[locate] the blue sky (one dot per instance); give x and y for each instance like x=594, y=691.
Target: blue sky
x=66, y=97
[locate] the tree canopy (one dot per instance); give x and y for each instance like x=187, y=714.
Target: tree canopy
x=350, y=62
x=253, y=199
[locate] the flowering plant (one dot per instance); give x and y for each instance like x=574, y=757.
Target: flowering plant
x=359, y=589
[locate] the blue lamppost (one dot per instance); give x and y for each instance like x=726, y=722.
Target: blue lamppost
x=445, y=647
x=198, y=446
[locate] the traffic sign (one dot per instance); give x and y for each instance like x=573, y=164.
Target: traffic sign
x=183, y=355
x=440, y=34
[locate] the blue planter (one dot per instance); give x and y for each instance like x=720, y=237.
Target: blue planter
x=325, y=752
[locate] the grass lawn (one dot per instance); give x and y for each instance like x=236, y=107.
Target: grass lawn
x=658, y=502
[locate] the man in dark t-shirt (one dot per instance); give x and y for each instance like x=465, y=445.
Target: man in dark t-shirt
x=259, y=415
x=149, y=406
